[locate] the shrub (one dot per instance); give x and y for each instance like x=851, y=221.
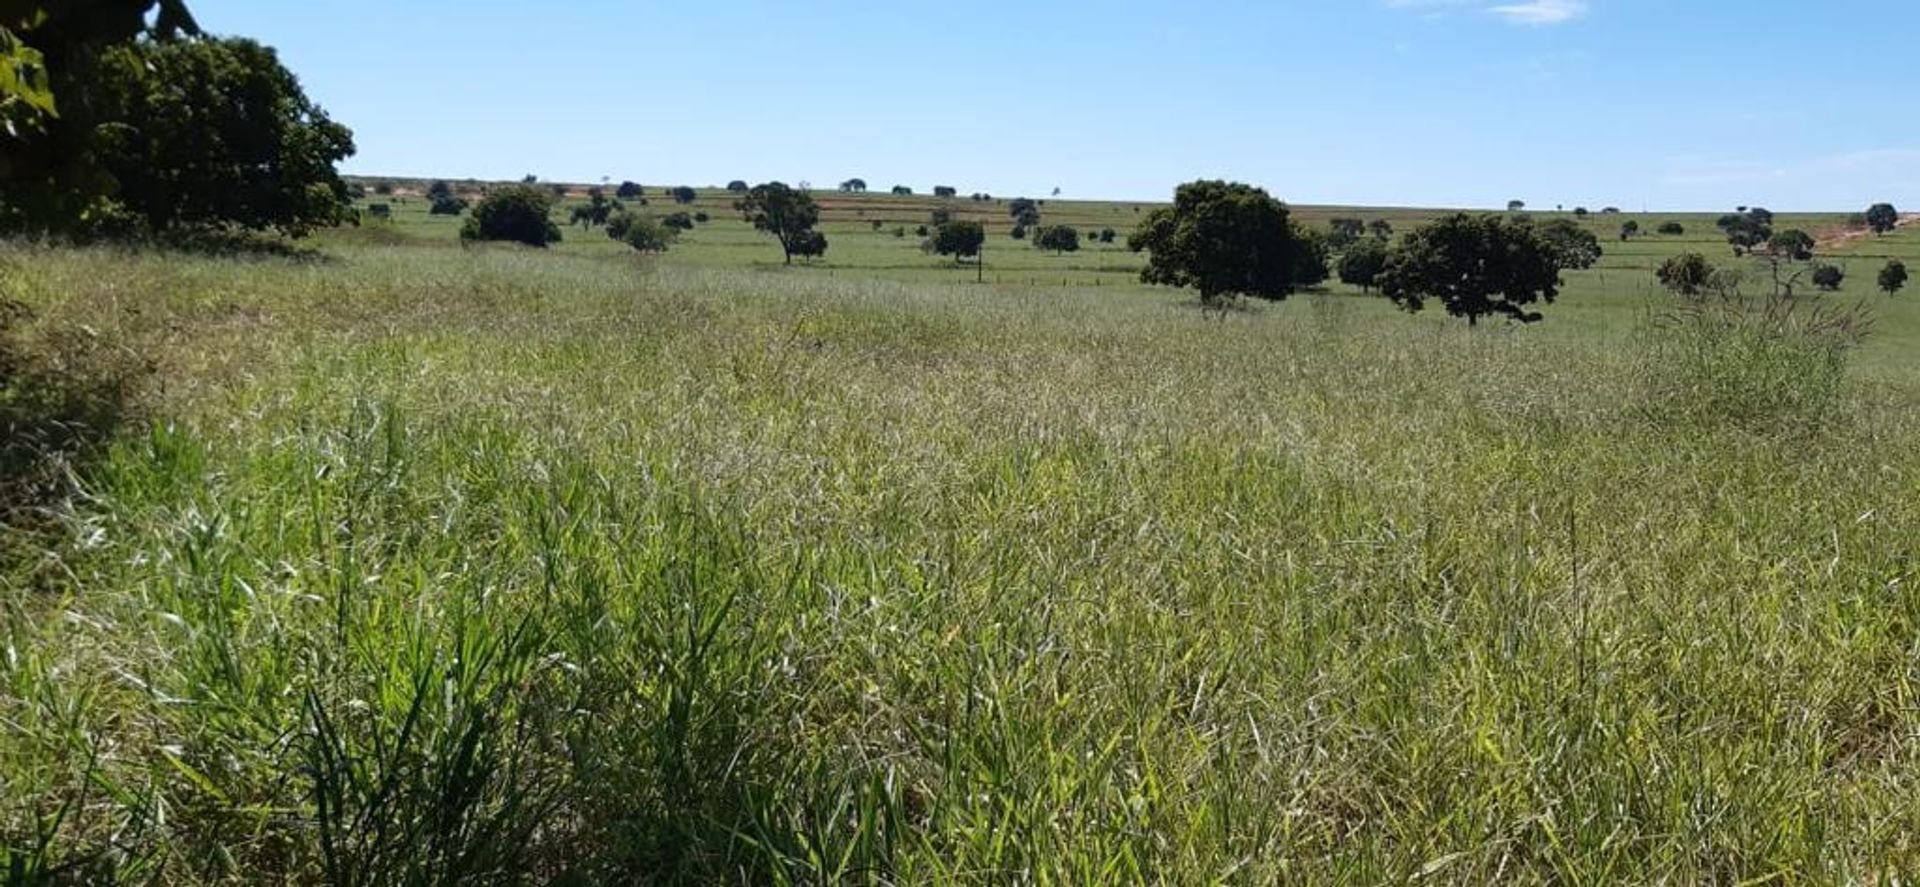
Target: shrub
x=1019, y=232
x=1058, y=239
x=1792, y=244
x=1829, y=277
x=945, y=191
x=630, y=191
x=1362, y=263
x=1687, y=275
x=1893, y=277
x=940, y=217
x=810, y=244
x=738, y=187
x=641, y=232
x=517, y=214
x=678, y=221
x=447, y=205
x=380, y=210
x=1107, y=235
x=1672, y=229
x=920, y=231
x=902, y=191
x=702, y=217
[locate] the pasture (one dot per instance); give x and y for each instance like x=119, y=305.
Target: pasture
x=421, y=563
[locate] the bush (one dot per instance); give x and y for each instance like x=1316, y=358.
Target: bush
x=678, y=221
x=1058, y=239
x=1763, y=364
x=1672, y=229
x=1019, y=232
x=1893, y=277
x=1362, y=263
x=940, y=217
x=684, y=194
x=630, y=191
x=738, y=187
x=702, y=217
x=920, y=231
x=1687, y=275
x=1829, y=277
x=515, y=214
x=1107, y=235
x=810, y=244
x=641, y=232
x=447, y=205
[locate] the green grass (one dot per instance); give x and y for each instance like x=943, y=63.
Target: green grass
x=439, y=565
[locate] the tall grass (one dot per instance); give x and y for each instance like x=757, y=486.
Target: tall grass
x=505, y=567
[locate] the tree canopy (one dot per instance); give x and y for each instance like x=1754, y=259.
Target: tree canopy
x=1893, y=277
x=640, y=232
x=784, y=212
x=1057, y=238
x=961, y=239
x=1688, y=274
x=1226, y=239
x=1792, y=244
x=1574, y=247
x=1362, y=263
x=516, y=214
x=1882, y=217
x=1475, y=266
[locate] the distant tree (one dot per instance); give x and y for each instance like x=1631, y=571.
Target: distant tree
x=596, y=211
x=1381, y=229
x=961, y=240
x=875, y=224
x=1226, y=240
x=1107, y=235
x=380, y=210
x=684, y=194
x=1746, y=230
x=640, y=232
x=1829, y=277
x=1342, y=232
x=384, y=189
x=736, y=186
x=1057, y=239
x=1687, y=275
x=1610, y=211
x=1362, y=263
x=810, y=245
x=940, y=216
x=1019, y=232
x=1476, y=266
x=945, y=191
x=630, y=191
x=1792, y=244
x=854, y=186
x=356, y=192
x=558, y=190
x=1514, y=206
x=1574, y=248
x=1580, y=211
x=1882, y=217
x=1629, y=229
x=1893, y=277
x=787, y=214
x=702, y=217
x=1672, y=229
x=902, y=191
x=1024, y=211
x=899, y=231
x=920, y=231
x=518, y=213
x=1056, y=192
x=529, y=179
x=438, y=190
x=446, y=205
x=677, y=221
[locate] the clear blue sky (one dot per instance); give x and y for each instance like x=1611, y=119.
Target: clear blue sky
x=1661, y=104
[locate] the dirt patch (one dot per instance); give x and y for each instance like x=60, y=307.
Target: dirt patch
x=1834, y=238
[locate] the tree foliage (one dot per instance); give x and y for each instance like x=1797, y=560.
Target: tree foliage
x=1672, y=229
x=1362, y=263
x=1688, y=274
x=516, y=214
x=1342, y=232
x=1475, y=266
x=854, y=186
x=961, y=239
x=945, y=191
x=1829, y=277
x=684, y=194
x=640, y=232
x=630, y=191
x=1792, y=244
x=1893, y=277
x=1574, y=247
x=810, y=245
x=1225, y=240
x=784, y=212
x=902, y=191
x=1882, y=217
x=1057, y=239
x=1747, y=229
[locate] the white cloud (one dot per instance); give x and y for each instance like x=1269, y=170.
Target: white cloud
x=1541, y=12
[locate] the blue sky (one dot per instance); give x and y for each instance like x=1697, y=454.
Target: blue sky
x=1657, y=104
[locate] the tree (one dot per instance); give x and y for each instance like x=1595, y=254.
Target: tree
x=1024, y=211
x=1688, y=274
x=446, y=205
x=939, y=216
x=1058, y=239
x=1893, y=277
x=1581, y=211
x=438, y=190
x=902, y=191
x=1792, y=244
x=787, y=214
x=684, y=194
x=1746, y=230
x=1107, y=235
x=517, y=214
x=1574, y=247
x=854, y=186
x=597, y=211
x=961, y=240
x=1476, y=266
x=1829, y=277
x=1226, y=240
x=1381, y=229
x=1362, y=263
x=945, y=191
x=737, y=187
x=1628, y=229
x=206, y=133
x=1514, y=206
x=640, y=232
x=810, y=245
x=1672, y=229
x=384, y=189
x=1882, y=217
x=678, y=221
x=1019, y=232
x=630, y=191
x=1342, y=232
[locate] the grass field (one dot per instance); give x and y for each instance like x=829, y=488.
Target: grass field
x=427, y=564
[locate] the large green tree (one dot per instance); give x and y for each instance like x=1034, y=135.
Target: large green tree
x=784, y=212
x=1474, y=265
x=1227, y=239
x=217, y=133
x=961, y=239
x=516, y=214
x=1362, y=263
x=1882, y=217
